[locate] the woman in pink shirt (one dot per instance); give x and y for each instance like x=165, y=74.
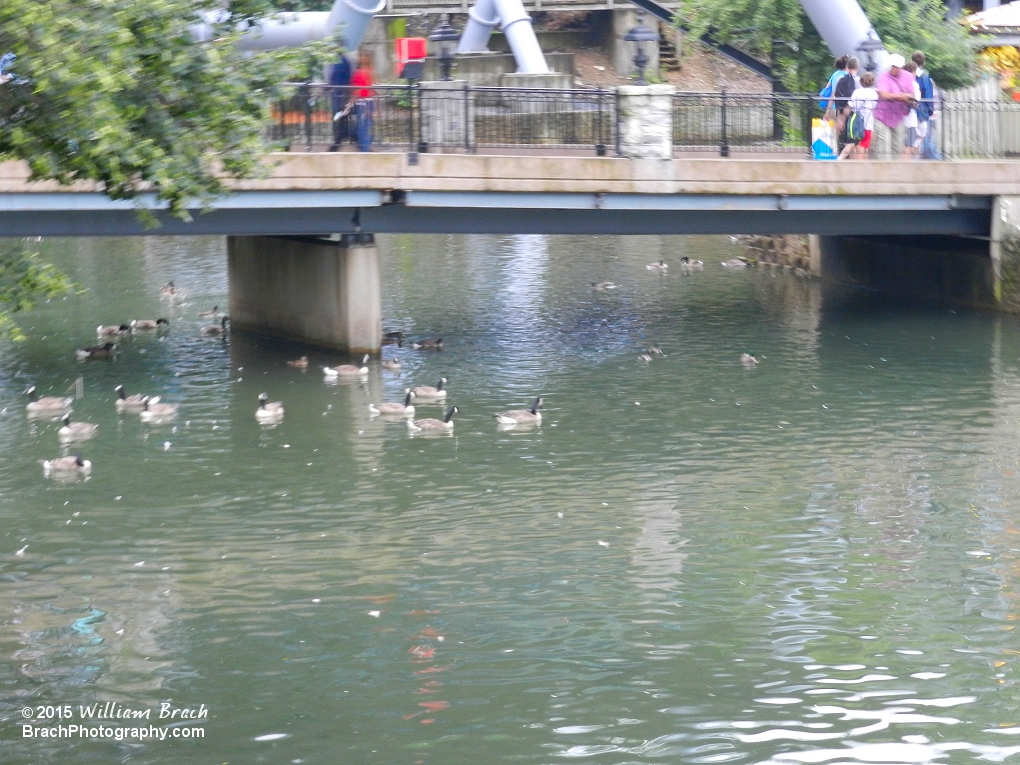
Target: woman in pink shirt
x=895, y=98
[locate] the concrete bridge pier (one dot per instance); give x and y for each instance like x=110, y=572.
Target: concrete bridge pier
x=316, y=291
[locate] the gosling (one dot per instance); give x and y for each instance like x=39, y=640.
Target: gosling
x=432, y=425
x=394, y=409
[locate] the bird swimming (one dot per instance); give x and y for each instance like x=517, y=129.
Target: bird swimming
x=53, y=405
x=689, y=264
x=347, y=370
x=391, y=364
x=268, y=412
x=301, y=363
x=98, y=352
x=213, y=314
x=660, y=266
x=112, y=330
x=147, y=325
x=171, y=294
x=393, y=408
x=66, y=467
x=156, y=412
x=76, y=431
x=133, y=403
x=216, y=330
x=430, y=392
x=430, y=424
x=429, y=344
x=604, y=286
x=522, y=416
x=749, y=359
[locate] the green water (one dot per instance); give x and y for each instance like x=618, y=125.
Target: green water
x=689, y=561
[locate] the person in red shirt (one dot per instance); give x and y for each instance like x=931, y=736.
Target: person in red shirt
x=363, y=94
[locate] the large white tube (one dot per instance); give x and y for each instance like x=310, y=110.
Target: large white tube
x=843, y=26
x=482, y=18
x=520, y=36
x=355, y=15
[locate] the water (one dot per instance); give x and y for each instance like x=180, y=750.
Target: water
x=809, y=561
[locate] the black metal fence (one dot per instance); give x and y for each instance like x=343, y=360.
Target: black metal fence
x=452, y=117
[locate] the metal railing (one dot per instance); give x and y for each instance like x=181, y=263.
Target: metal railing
x=452, y=117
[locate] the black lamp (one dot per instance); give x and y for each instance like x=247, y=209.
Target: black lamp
x=445, y=37
x=640, y=35
x=868, y=49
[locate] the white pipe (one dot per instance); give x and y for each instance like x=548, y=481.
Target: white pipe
x=482, y=19
x=355, y=15
x=520, y=36
x=843, y=26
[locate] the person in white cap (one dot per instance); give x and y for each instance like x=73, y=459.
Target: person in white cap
x=895, y=99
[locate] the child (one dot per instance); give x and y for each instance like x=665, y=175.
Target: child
x=863, y=101
x=915, y=133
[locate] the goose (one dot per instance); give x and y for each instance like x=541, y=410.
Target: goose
x=429, y=344
x=66, y=466
x=655, y=350
x=604, y=286
x=76, y=431
x=52, y=405
x=133, y=403
x=393, y=408
x=393, y=338
x=735, y=263
x=213, y=314
x=301, y=363
x=660, y=266
x=112, y=330
x=522, y=416
x=645, y=358
x=391, y=364
x=268, y=412
x=216, y=330
x=689, y=264
x=171, y=294
x=428, y=392
x=98, y=352
x=347, y=370
x=429, y=424
x=147, y=325
x=156, y=412
x=749, y=359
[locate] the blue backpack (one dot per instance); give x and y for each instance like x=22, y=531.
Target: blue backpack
x=926, y=107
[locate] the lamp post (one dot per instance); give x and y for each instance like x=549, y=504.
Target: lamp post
x=640, y=35
x=868, y=49
x=445, y=37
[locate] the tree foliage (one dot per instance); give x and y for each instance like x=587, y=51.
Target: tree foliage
x=118, y=92
x=24, y=280
x=781, y=31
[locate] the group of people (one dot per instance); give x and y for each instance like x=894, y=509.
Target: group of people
x=886, y=117
x=352, y=102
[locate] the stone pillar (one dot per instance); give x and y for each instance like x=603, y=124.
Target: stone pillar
x=320, y=292
x=646, y=121
x=446, y=114
x=1005, y=251
x=622, y=52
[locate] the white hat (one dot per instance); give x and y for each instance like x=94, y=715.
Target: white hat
x=895, y=59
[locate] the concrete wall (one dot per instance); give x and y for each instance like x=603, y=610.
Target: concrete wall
x=318, y=292
x=486, y=69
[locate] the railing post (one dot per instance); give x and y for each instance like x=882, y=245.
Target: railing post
x=412, y=155
x=806, y=120
x=616, y=115
x=467, y=116
x=423, y=145
x=724, y=147
x=600, y=144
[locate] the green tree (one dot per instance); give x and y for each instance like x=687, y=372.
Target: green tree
x=24, y=280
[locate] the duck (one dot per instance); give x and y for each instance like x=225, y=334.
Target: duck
x=216, y=330
x=157, y=412
x=66, y=466
x=213, y=314
x=112, y=330
x=604, y=286
x=98, y=352
x=660, y=266
x=171, y=294
x=301, y=363
x=391, y=364
x=133, y=403
x=268, y=412
x=392, y=408
x=347, y=370
x=749, y=359
x=147, y=325
x=52, y=405
x=430, y=424
x=429, y=392
x=393, y=338
x=690, y=264
x=76, y=431
x=735, y=263
x=429, y=344
x=522, y=416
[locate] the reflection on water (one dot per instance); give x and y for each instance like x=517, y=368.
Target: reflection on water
x=812, y=560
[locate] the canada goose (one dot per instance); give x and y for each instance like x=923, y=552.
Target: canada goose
x=52, y=405
x=66, y=466
x=76, y=431
x=522, y=416
x=301, y=363
x=604, y=286
x=98, y=352
x=155, y=412
x=645, y=358
x=393, y=338
x=133, y=403
x=171, y=294
x=428, y=392
x=147, y=325
x=347, y=370
x=735, y=263
x=216, y=330
x=749, y=359
x=268, y=412
x=429, y=344
x=213, y=314
x=689, y=264
x=655, y=350
x=112, y=330
x=660, y=266
x=391, y=364
x=434, y=425
x=392, y=408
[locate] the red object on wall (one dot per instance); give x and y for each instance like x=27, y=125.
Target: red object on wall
x=409, y=49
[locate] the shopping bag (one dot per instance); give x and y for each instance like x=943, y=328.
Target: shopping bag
x=823, y=139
